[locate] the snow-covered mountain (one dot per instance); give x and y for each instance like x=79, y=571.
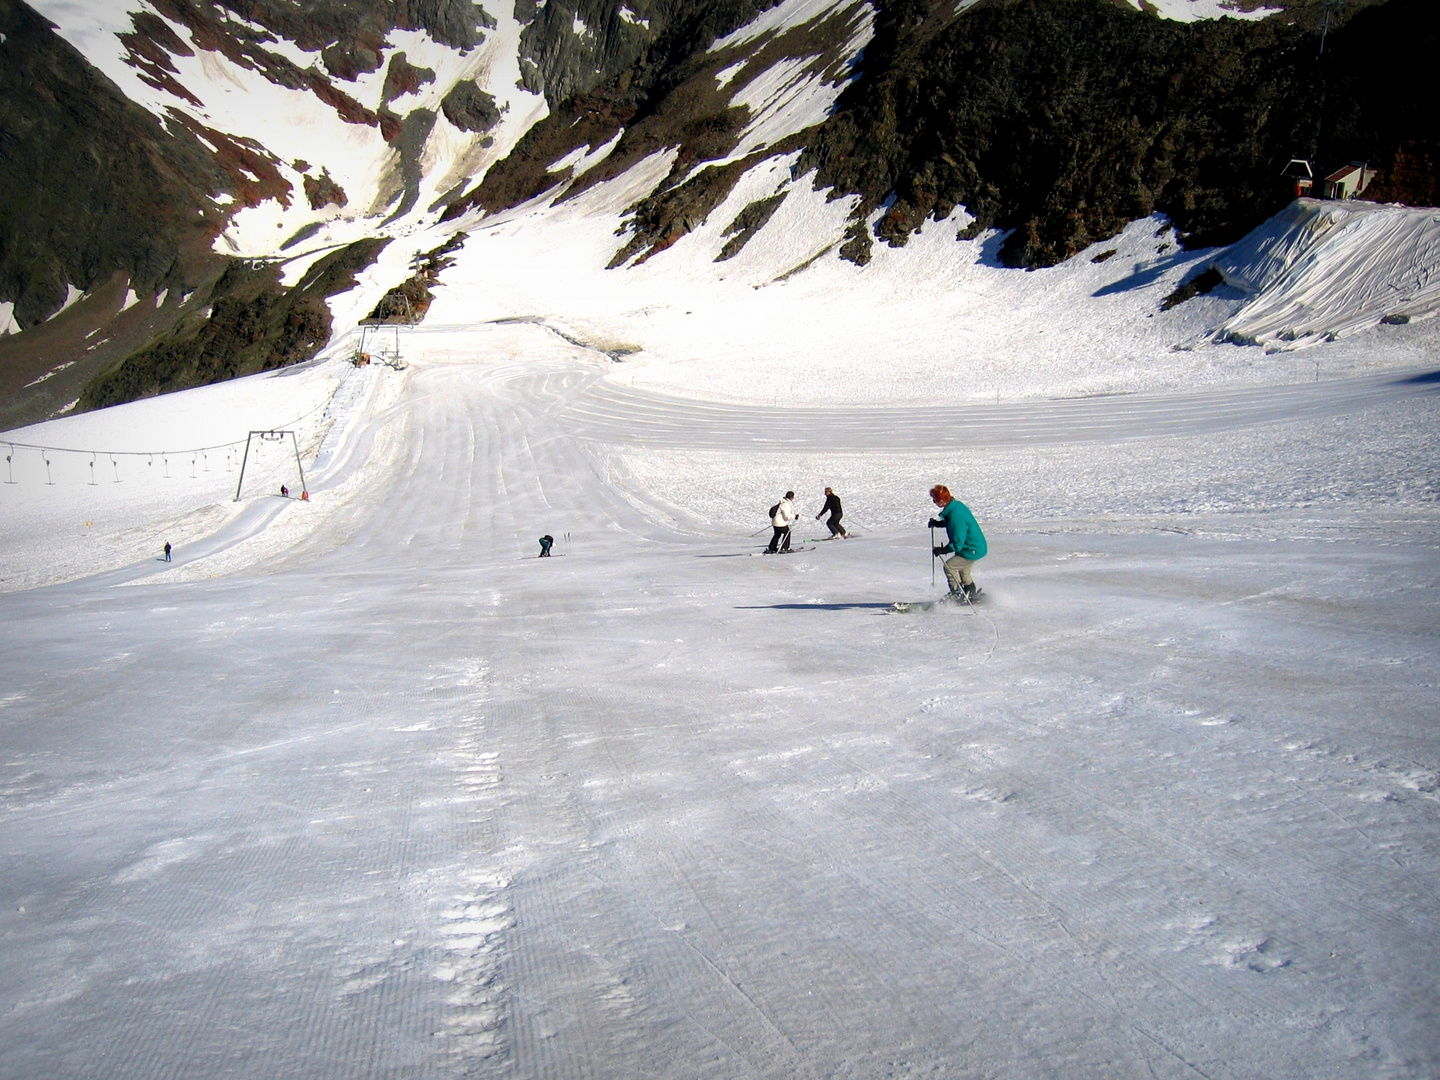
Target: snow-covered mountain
x=313, y=768
x=271, y=173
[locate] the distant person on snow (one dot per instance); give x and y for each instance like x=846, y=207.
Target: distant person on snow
x=966, y=542
x=167, y=550
x=832, y=507
x=782, y=514
x=546, y=543
x=284, y=492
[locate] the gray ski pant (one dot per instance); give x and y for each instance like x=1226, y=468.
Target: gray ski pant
x=957, y=572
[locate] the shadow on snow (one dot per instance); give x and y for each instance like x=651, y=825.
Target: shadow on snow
x=811, y=607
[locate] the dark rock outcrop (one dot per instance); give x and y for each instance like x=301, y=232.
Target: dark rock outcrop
x=408, y=302
x=90, y=183
x=1060, y=120
x=670, y=98
x=1065, y=119
x=469, y=108
x=747, y=223
x=253, y=324
x=322, y=191
x=1207, y=281
x=572, y=46
x=410, y=142
x=403, y=77
x=1376, y=100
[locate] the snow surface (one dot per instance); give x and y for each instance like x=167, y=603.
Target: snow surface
x=355, y=786
x=940, y=320
x=787, y=97
x=1197, y=10
x=72, y=297
x=787, y=15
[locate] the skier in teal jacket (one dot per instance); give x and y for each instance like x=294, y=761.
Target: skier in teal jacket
x=966, y=542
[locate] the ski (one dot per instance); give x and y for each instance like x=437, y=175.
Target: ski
x=792, y=551
x=901, y=607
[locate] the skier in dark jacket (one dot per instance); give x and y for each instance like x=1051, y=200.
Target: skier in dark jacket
x=546, y=543
x=966, y=542
x=832, y=507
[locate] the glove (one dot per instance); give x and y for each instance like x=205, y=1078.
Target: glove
x=936, y=523
x=937, y=551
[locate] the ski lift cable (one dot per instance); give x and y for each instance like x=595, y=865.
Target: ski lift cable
x=112, y=454
x=155, y=453
x=120, y=453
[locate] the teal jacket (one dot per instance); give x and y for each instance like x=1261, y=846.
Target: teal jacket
x=966, y=539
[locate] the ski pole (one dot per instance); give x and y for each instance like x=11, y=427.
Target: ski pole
x=932, y=556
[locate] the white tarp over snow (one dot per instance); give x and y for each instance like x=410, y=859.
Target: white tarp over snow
x=1198, y=10
x=1320, y=270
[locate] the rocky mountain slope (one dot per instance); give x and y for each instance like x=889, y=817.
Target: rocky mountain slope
x=186, y=181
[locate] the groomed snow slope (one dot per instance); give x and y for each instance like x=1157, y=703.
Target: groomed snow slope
x=356, y=788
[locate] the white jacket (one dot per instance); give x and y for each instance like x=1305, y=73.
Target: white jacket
x=784, y=514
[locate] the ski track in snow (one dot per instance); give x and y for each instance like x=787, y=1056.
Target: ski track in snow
x=389, y=798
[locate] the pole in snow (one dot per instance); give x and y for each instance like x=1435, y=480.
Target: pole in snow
x=1333, y=9
x=242, y=465
x=304, y=491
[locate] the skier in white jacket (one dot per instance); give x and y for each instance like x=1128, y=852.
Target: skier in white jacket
x=781, y=520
